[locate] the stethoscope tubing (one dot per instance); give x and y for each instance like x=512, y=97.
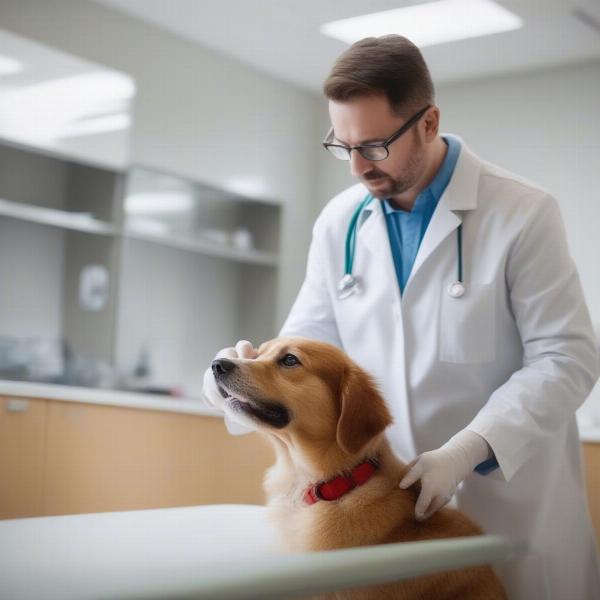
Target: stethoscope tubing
x=459, y=253
x=351, y=235
x=348, y=282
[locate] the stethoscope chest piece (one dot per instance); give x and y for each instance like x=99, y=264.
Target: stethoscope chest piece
x=456, y=289
x=347, y=286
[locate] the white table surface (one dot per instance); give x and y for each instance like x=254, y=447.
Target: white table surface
x=126, y=554
x=219, y=552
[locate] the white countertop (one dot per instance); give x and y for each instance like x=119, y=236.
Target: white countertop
x=588, y=421
x=589, y=434
x=23, y=389
x=589, y=425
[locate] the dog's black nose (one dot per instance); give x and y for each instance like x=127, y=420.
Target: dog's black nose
x=222, y=366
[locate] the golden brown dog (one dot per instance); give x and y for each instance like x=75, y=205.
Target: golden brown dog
x=326, y=419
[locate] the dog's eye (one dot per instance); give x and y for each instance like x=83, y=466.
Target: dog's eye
x=289, y=360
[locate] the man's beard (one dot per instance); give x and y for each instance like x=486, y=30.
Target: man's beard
x=383, y=186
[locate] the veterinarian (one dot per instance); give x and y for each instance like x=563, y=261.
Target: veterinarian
x=450, y=280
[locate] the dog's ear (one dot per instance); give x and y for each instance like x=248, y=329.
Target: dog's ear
x=363, y=412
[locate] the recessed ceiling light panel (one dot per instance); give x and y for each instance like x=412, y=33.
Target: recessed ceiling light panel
x=428, y=24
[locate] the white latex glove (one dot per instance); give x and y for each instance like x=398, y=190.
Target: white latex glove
x=441, y=470
x=236, y=424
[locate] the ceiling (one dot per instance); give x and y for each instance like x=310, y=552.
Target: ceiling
x=281, y=37
x=60, y=103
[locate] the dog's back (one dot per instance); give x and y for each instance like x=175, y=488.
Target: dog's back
x=382, y=513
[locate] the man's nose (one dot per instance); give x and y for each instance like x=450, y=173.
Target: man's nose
x=222, y=366
x=359, y=165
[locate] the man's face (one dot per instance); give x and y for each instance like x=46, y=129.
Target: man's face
x=369, y=120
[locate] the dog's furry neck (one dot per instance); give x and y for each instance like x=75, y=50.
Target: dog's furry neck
x=294, y=472
x=287, y=481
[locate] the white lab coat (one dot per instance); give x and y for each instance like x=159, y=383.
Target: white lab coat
x=511, y=360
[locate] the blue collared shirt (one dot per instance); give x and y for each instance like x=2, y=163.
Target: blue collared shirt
x=406, y=229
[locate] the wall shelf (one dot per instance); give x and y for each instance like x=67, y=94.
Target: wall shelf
x=56, y=218
x=86, y=223
x=252, y=256
x=179, y=284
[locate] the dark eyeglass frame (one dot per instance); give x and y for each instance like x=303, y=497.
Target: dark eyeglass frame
x=328, y=145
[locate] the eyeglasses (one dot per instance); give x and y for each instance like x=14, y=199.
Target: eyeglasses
x=379, y=151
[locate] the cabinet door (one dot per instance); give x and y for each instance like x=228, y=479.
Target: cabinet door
x=243, y=460
x=103, y=458
x=591, y=453
x=22, y=449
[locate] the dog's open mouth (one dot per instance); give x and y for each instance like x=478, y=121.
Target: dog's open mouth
x=271, y=413
x=229, y=395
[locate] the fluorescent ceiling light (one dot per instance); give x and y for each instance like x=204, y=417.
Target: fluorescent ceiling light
x=9, y=66
x=428, y=24
x=77, y=105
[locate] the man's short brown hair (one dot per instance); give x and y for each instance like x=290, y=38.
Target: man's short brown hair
x=390, y=65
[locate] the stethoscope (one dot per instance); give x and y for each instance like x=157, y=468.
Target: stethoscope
x=349, y=284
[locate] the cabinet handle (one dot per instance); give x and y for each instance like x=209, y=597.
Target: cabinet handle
x=17, y=405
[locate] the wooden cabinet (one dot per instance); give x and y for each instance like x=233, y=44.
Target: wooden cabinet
x=22, y=456
x=67, y=457
x=591, y=452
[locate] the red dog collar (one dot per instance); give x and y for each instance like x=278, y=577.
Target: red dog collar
x=338, y=486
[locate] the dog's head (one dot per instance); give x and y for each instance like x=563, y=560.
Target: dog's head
x=307, y=391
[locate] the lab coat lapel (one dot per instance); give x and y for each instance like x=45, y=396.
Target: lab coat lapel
x=373, y=236
x=372, y=232
x=460, y=195
x=443, y=222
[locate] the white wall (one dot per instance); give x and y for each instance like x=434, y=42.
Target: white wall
x=33, y=258
x=197, y=113
x=175, y=284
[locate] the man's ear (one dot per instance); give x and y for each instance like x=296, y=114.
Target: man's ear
x=363, y=412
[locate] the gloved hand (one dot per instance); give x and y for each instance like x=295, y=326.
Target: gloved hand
x=236, y=424
x=441, y=470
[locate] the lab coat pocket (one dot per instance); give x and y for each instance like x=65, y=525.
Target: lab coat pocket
x=467, y=325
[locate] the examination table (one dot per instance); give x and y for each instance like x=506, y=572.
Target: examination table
x=210, y=552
